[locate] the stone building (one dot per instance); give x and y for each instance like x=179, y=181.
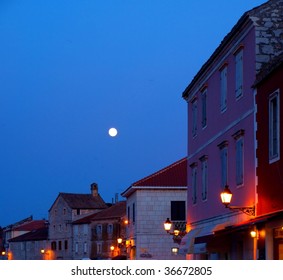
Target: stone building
x=67, y=208
x=150, y=201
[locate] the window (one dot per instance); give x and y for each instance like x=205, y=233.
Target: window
x=99, y=229
x=134, y=213
x=239, y=73
x=76, y=230
x=85, y=229
x=203, y=107
x=274, y=147
x=66, y=244
x=99, y=248
x=223, y=88
x=238, y=136
x=76, y=247
x=85, y=247
x=194, y=117
x=204, y=181
x=129, y=213
x=60, y=245
x=194, y=182
x=110, y=229
x=224, y=162
x=178, y=210
x=53, y=246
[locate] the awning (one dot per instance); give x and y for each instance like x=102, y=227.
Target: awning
x=187, y=243
x=194, y=242
x=248, y=223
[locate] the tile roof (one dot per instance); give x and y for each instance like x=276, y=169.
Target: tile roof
x=117, y=210
x=30, y=225
x=172, y=176
x=36, y=234
x=83, y=201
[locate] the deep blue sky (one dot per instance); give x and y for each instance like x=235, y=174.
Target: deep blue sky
x=71, y=69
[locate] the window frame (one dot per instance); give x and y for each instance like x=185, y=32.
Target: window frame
x=204, y=107
x=223, y=87
x=274, y=131
x=204, y=177
x=223, y=146
x=194, y=116
x=239, y=72
x=194, y=182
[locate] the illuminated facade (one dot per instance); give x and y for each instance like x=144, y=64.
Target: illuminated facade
x=222, y=137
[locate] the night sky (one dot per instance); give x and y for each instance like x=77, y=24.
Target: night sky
x=71, y=69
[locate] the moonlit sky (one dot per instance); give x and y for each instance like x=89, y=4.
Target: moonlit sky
x=72, y=69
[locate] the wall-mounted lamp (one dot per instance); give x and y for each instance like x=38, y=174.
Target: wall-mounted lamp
x=254, y=233
x=42, y=251
x=177, y=233
x=226, y=197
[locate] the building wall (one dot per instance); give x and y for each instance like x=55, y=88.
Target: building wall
x=81, y=243
x=60, y=229
x=102, y=241
x=221, y=126
x=270, y=178
x=28, y=250
x=147, y=233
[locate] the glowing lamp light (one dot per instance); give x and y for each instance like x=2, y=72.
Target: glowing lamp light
x=226, y=196
x=112, y=248
x=119, y=240
x=167, y=225
x=176, y=232
x=253, y=233
x=175, y=250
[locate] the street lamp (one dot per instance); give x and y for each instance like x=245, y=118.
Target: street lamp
x=177, y=233
x=167, y=225
x=226, y=197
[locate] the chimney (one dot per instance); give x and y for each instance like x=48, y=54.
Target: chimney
x=94, y=189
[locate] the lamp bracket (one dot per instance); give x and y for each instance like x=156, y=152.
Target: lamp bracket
x=250, y=210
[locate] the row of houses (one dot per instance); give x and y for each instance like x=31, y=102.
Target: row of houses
x=83, y=226
x=234, y=150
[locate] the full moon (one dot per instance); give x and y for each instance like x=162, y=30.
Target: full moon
x=112, y=132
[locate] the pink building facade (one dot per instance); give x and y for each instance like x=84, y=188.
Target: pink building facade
x=221, y=139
